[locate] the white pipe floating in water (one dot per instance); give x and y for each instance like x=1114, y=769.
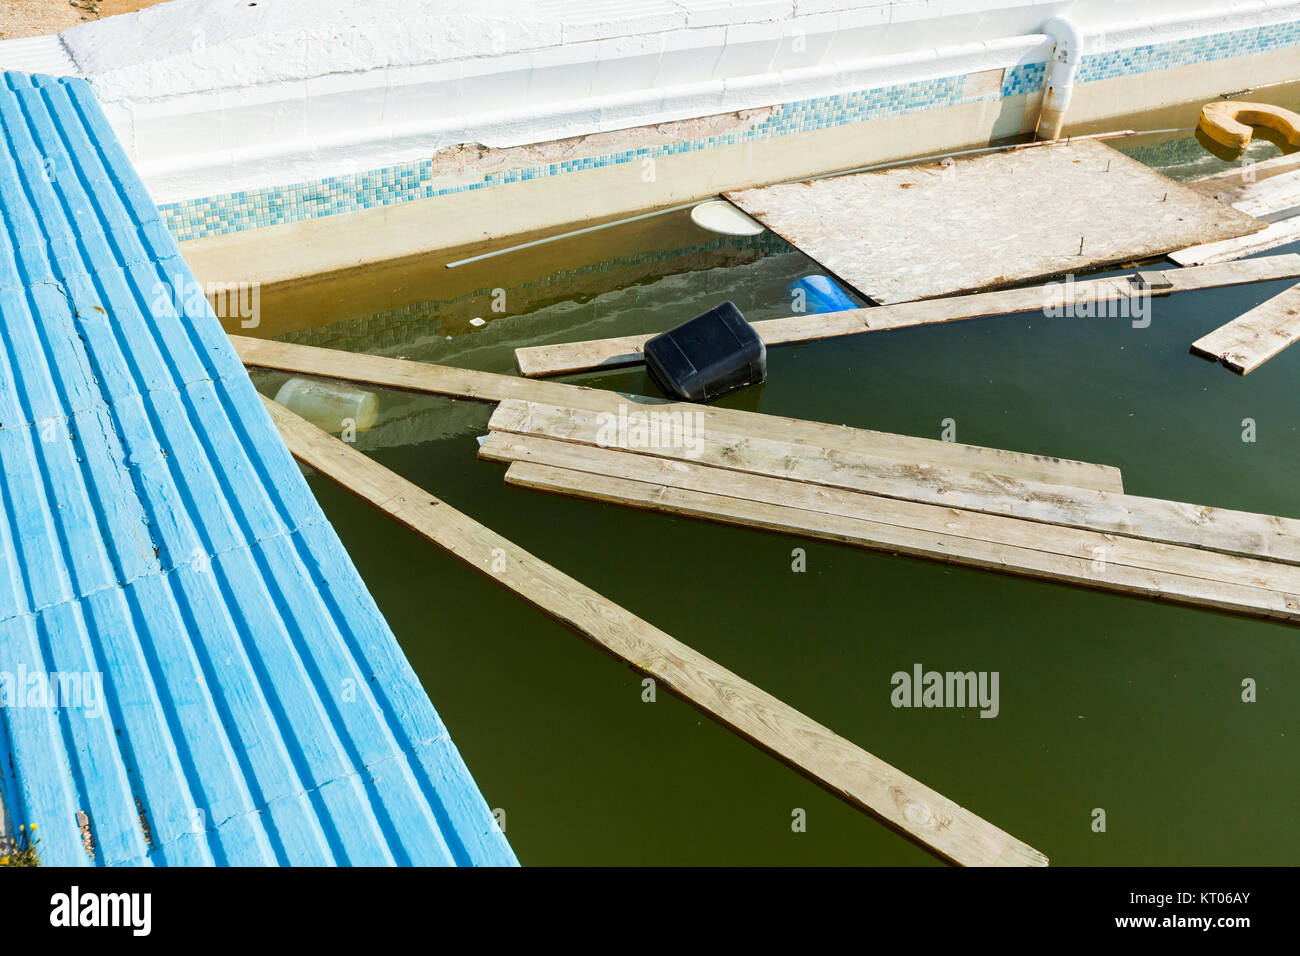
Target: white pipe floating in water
x=330, y=406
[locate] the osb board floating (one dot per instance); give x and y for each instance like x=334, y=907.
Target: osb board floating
x=916, y=232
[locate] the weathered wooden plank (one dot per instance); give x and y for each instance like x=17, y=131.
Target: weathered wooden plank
x=1258, y=197
x=569, y=357
x=490, y=387
x=892, y=538
x=1245, y=173
x=1254, y=337
x=916, y=232
x=1276, y=234
x=1103, y=550
x=866, y=781
x=1233, y=532
x=1270, y=189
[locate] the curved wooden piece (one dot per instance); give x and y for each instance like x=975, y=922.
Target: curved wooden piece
x=1232, y=122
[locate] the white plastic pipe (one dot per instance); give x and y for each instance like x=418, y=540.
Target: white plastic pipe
x=331, y=406
x=1058, y=85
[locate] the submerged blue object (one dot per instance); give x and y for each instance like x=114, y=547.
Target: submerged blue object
x=191, y=669
x=820, y=294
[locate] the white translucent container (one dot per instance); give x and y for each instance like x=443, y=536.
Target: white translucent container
x=330, y=406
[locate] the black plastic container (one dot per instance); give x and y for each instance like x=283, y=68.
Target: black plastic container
x=707, y=357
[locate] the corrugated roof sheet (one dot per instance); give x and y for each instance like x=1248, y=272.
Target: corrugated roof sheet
x=256, y=707
x=43, y=54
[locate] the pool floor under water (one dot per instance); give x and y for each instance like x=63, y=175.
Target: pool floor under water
x=1106, y=703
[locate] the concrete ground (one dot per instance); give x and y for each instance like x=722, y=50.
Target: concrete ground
x=30, y=18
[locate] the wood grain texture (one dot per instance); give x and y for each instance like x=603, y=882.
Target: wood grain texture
x=491, y=387
x=916, y=232
x=569, y=357
x=1242, y=173
x=896, y=539
x=1268, y=537
x=1254, y=337
x=919, y=813
x=1276, y=234
x=1256, y=196
x=1270, y=190
x=1101, y=549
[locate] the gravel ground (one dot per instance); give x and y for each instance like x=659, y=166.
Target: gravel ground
x=30, y=18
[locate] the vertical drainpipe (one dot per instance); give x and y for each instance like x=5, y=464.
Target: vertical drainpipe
x=1059, y=82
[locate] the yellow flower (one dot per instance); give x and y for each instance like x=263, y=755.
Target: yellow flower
x=4, y=861
x=33, y=826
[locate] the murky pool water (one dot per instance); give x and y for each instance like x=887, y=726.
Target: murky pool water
x=1105, y=701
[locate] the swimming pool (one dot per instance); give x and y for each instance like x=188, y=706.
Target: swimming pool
x=1106, y=702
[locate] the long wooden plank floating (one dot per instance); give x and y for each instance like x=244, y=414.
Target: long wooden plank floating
x=1102, y=550
x=1254, y=337
x=1244, y=174
x=1270, y=190
x=917, y=232
x=913, y=809
x=491, y=387
x=876, y=535
x=1233, y=532
x=569, y=357
x=1262, y=189
x=1276, y=234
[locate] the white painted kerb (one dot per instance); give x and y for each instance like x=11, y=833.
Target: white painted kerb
x=216, y=96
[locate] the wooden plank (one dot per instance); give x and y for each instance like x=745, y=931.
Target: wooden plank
x=1269, y=189
x=1238, y=174
x=1276, y=234
x=1258, y=197
x=919, y=813
x=1254, y=337
x=1103, y=550
x=886, y=537
x=490, y=387
x=916, y=232
x=569, y=357
x=1233, y=532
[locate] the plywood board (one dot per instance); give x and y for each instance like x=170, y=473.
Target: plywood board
x=916, y=232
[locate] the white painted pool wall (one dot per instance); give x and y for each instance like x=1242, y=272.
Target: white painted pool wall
x=215, y=97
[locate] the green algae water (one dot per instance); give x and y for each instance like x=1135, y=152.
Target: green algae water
x=1106, y=702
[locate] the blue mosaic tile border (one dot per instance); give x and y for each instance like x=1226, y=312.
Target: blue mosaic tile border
x=1025, y=78
x=1150, y=57
x=235, y=212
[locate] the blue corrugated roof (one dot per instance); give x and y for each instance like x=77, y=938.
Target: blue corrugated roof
x=256, y=707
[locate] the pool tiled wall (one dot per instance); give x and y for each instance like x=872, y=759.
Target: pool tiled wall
x=253, y=209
